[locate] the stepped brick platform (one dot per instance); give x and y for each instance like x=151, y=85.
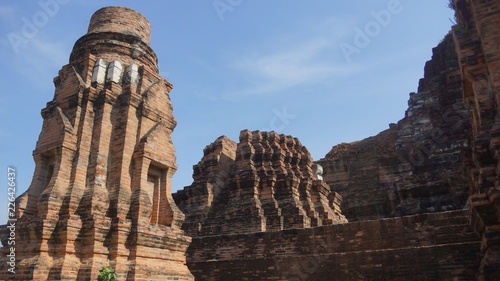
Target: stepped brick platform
x=434, y=246
x=422, y=197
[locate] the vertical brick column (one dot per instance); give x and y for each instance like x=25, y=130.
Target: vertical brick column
x=477, y=37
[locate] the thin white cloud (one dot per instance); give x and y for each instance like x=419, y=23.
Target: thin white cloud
x=7, y=12
x=302, y=64
x=54, y=52
x=37, y=57
x=312, y=59
x=296, y=65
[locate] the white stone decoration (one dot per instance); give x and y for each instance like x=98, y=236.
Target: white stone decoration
x=318, y=171
x=132, y=74
x=99, y=71
x=114, y=72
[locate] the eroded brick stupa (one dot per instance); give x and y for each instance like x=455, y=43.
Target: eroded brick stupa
x=101, y=191
x=266, y=182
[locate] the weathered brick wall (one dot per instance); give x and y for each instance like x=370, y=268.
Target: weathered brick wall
x=210, y=176
x=416, y=166
x=477, y=37
x=437, y=246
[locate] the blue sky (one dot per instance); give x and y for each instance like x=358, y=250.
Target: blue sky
x=323, y=71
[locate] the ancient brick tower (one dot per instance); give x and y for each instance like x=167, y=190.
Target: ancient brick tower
x=101, y=191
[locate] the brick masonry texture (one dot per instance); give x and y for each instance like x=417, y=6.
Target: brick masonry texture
x=421, y=198
x=417, y=165
x=264, y=183
x=435, y=246
x=477, y=36
x=101, y=190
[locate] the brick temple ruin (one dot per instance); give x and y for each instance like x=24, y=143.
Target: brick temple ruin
x=418, y=201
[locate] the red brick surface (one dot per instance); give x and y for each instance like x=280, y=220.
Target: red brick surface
x=477, y=36
x=417, y=165
x=264, y=183
x=101, y=191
